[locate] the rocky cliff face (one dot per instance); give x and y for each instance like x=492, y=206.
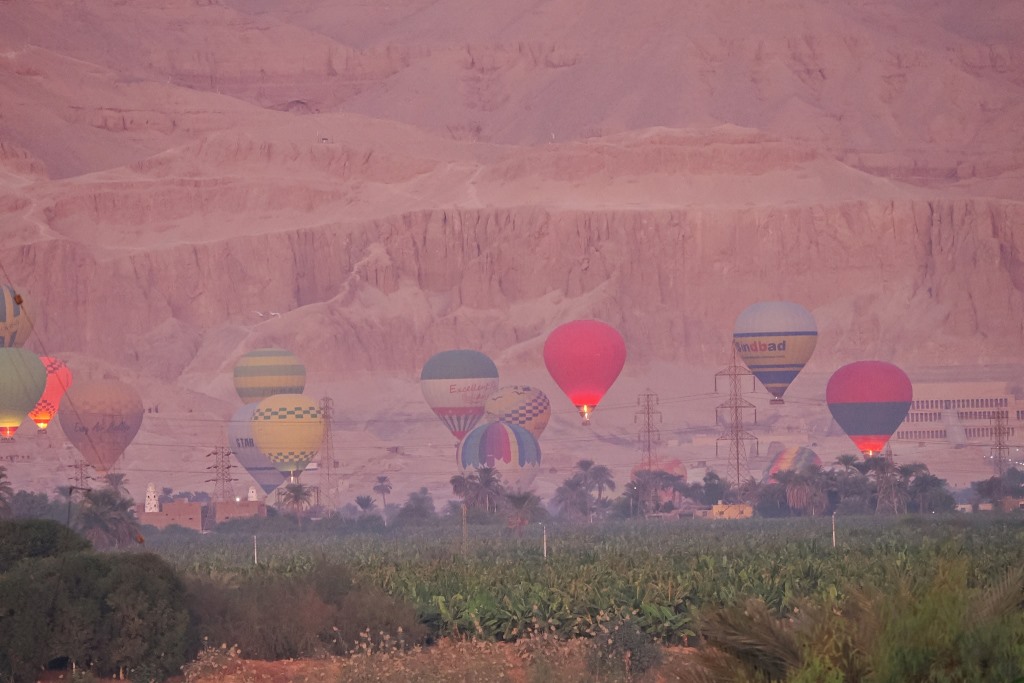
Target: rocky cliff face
x=369, y=185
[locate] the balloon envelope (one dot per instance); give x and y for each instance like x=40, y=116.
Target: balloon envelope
x=22, y=380
x=58, y=380
x=522, y=405
x=267, y=372
x=456, y=385
x=791, y=460
x=869, y=399
x=249, y=456
x=585, y=357
x=15, y=326
x=101, y=418
x=775, y=339
x=496, y=442
x=288, y=429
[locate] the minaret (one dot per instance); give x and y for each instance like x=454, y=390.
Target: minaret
x=152, y=501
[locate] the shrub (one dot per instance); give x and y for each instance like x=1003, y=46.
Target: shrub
x=271, y=615
x=106, y=613
x=35, y=538
x=621, y=647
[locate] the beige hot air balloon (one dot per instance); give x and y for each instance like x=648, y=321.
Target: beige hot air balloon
x=101, y=418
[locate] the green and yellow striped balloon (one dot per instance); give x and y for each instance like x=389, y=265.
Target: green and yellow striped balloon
x=262, y=373
x=288, y=429
x=22, y=380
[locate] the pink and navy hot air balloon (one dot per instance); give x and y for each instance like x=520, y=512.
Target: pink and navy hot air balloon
x=456, y=385
x=495, y=442
x=585, y=357
x=869, y=399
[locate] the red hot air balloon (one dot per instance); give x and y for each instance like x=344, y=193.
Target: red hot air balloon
x=869, y=399
x=58, y=379
x=585, y=357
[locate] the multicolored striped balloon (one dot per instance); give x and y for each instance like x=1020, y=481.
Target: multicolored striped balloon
x=456, y=385
x=792, y=460
x=495, y=442
x=267, y=372
x=775, y=339
x=15, y=325
x=869, y=399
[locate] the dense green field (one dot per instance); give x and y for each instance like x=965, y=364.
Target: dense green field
x=497, y=585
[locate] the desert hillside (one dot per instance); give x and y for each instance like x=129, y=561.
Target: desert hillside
x=369, y=183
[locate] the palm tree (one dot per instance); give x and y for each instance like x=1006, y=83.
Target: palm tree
x=491, y=487
x=383, y=488
x=107, y=519
x=804, y=491
x=365, y=504
x=931, y=493
x=523, y=508
x=467, y=487
x=116, y=481
x=644, y=489
x=297, y=497
x=848, y=462
x=572, y=498
x=6, y=493
x=594, y=477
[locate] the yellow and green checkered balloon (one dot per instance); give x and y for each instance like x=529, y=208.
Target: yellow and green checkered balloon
x=288, y=429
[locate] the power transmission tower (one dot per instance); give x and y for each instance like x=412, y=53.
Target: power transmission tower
x=649, y=436
x=81, y=476
x=733, y=409
x=326, y=466
x=889, y=497
x=1000, y=449
x=222, y=489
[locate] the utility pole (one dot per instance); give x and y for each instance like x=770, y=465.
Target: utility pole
x=733, y=410
x=649, y=436
x=326, y=466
